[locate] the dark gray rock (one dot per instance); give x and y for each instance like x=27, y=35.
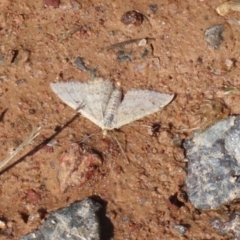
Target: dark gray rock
x=214, y=164
x=75, y=222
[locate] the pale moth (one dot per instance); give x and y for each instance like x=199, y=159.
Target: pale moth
x=101, y=102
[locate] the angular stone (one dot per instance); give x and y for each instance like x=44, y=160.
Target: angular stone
x=77, y=221
x=214, y=164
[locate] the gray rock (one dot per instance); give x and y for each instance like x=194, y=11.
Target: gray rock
x=75, y=222
x=213, y=36
x=214, y=164
x=181, y=228
x=225, y=227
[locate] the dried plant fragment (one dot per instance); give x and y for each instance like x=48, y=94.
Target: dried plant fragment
x=69, y=33
x=210, y=111
x=80, y=63
x=224, y=8
x=76, y=167
x=213, y=36
x=133, y=50
x=32, y=135
x=227, y=90
x=131, y=41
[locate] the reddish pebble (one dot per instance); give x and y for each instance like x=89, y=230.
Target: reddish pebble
x=76, y=167
x=132, y=17
x=33, y=197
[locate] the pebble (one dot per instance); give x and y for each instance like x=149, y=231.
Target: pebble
x=77, y=221
x=132, y=18
x=213, y=36
x=181, y=228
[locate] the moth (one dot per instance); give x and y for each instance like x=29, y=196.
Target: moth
x=103, y=103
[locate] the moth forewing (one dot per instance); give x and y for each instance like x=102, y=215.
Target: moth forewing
x=102, y=104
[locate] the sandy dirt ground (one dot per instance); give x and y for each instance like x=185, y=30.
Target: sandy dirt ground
x=144, y=196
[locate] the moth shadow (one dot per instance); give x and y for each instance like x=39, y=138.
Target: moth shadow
x=42, y=144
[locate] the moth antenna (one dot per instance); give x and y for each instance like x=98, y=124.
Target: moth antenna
x=89, y=136
x=123, y=153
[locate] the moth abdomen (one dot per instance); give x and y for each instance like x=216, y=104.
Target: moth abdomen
x=112, y=107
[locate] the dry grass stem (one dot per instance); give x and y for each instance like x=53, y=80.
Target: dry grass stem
x=32, y=135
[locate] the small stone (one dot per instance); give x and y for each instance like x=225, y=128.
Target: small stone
x=213, y=36
x=125, y=219
x=79, y=62
x=20, y=82
x=3, y=78
x=122, y=56
x=33, y=197
x=32, y=111
x=20, y=57
x=181, y=228
x=142, y=42
x=132, y=17
x=229, y=64
x=142, y=200
x=153, y=8
x=76, y=167
x=2, y=224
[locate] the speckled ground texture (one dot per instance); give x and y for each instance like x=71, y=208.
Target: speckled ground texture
x=144, y=196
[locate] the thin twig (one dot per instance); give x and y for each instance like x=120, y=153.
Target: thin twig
x=69, y=33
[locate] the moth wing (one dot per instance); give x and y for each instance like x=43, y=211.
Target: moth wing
x=140, y=103
x=90, y=99
x=66, y=91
